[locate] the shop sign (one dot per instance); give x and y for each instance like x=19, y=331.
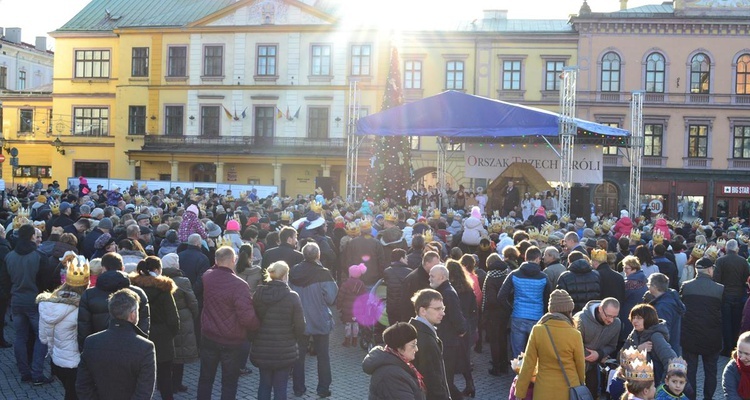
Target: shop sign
x=736, y=189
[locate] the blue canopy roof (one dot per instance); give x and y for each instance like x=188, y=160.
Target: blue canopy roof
x=459, y=115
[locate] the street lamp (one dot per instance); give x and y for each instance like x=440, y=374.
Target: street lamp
x=59, y=146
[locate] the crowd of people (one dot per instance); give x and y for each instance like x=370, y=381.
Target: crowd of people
x=122, y=287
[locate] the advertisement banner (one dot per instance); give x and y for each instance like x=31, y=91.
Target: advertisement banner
x=490, y=160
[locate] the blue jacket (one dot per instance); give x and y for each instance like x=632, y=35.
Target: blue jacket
x=635, y=288
x=528, y=288
x=317, y=290
x=730, y=380
x=670, y=308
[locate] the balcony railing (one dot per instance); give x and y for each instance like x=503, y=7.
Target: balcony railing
x=654, y=161
x=739, y=163
x=244, y=144
x=691, y=162
x=695, y=99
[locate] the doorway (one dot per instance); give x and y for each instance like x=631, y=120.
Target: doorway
x=606, y=199
x=203, y=173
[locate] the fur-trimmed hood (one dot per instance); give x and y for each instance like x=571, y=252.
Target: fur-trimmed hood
x=162, y=283
x=66, y=297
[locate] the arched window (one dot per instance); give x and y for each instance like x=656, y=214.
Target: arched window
x=611, y=72
x=655, y=66
x=700, y=74
x=743, y=74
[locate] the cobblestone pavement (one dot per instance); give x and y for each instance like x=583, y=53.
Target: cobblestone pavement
x=349, y=382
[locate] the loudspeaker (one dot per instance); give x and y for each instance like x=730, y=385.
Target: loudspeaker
x=580, y=202
x=327, y=184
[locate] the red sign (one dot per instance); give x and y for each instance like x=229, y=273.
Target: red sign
x=2, y=158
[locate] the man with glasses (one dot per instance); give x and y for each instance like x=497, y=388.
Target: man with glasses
x=600, y=326
x=429, y=308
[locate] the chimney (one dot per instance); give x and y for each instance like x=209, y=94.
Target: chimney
x=41, y=43
x=623, y=5
x=496, y=14
x=13, y=35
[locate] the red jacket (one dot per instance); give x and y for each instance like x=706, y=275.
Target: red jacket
x=228, y=312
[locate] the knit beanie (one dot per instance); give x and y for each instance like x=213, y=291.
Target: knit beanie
x=399, y=334
x=560, y=302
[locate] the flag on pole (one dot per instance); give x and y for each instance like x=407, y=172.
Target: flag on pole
x=244, y=114
x=229, y=114
x=296, y=115
x=288, y=116
x=279, y=114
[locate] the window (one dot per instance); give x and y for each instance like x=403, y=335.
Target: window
x=27, y=171
x=136, y=120
x=454, y=75
x=743, y=75
x=610, y=150
x=3, y=77
x=611, y=72
x=177, y=61
x=210, y=123
x=89, y=121
x=413, y=74
x=264, y=121
x=700, y=72
x=653, y=135
x=321, y=59
x=91, y=169
x=139, y=67
x=512, y=75
x=553, y=69
x=361, y=60
x=21, y=80
x=174, y=120
x=414, y=140
x=317, y=123
x=213, y=61
x=92, y=64
x=266, y=60
x=741, y=141
x=655, y=67
x=698, y=141
x=27, y=121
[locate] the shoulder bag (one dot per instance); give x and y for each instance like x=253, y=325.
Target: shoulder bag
x=580, y=392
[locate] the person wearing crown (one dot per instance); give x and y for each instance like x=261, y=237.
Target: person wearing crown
x=365, y=249
x=674, y=384
x=391, y=237
x=638, y=374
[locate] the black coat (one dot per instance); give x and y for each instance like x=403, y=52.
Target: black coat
x=132, y=376
x=417, y=280
x=369, y=249
x=93, y=312
x=453, y=324
x=414, y=259
x=193, y=263
x=5, y=283
x=429, y=362
x=669, y=269
x=394, y=277
x=165, y=322
x=611, y=283
x=282, y=325
x=701, y=324
x=283, y=252
x=391, y=378
x=185, y=343
x=581, y=282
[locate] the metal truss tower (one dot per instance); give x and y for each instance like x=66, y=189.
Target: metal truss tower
x=567, y=136
x=636, y=153
x=353, y=141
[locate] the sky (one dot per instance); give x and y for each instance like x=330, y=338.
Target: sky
x=38, y=17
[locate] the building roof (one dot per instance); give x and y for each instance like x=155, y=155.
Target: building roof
x=516, y=25
x=106, y=15
x=664, y=8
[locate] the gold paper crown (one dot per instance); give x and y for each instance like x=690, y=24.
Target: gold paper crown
x=144, y=187
x=286, y=215
x=78, y=272
x=126, y=196
x=427, y=236
x=352, y=229
x=138, y=199
x=565, y=218
x=450, y=213
x=42, y=225
x=55, y=207
x=416, y=210
x=383, y=204
x=24, y=212
x=223, y=241
x=635, y=365
x=229, y=198
x=156, y=219
x=712, y=253
x=677, y=364
x=365, y=225
x=698, y=251
x=597, y=229
x=743, y=238
x=336, y=213
x=735, y=220
x=137, y=210
x=391, y=216
x=697, y=222
x=607, y=225
x=436, y=214
x=533, y=233
x=14, y=204
x=19, y=221
x=496, y=226
x=316, y=207
x=243, y=194
x=635, y=235
x=657, y=237
x=599, y=255
x=721, y=244
x=202, y=207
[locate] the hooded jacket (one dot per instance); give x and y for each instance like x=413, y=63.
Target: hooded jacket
x=635, y=288
x=391, y=378
x=58, y=327
x=24, y=264
x=526, y=290
x=581, y=282
x=661, y=226
x=317, y=290
x=189, y=225
x=669, y=307
x=661, y=351
x=165, y=322
x=93, y=314
x=623, y=227
x=282, y=325
x=597, y=336
x=473, y=231
x=185, y=343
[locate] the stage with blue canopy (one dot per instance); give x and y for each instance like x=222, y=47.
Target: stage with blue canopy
x=462, y=117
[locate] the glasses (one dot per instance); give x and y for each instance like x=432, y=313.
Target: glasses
x=608, y=316
x=438, y=308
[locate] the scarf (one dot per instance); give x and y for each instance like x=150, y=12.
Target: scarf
x=491, y=274
x=414, y=370
x=744, y=389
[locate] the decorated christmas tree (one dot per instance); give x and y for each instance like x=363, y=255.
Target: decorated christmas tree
x=390, y=167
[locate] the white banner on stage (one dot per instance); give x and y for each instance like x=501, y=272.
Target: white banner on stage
x=490, y=160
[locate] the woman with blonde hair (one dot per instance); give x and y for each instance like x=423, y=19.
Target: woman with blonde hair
x=274, y=349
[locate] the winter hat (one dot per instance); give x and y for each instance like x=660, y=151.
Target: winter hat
x=399, y=334
x=171, y=236
x=64, y=206
x=355, y=271
x=704, y=263
x=212, y=229
x=105, y=223
x=541, y=211
x=410, y=222
x=103, y=241
x=475, y=212
x=193, y=209
x=560, y=302
x=624, y=213
x=83, y=180
x=171, y=260
x=41, y=199
x=233, y=225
